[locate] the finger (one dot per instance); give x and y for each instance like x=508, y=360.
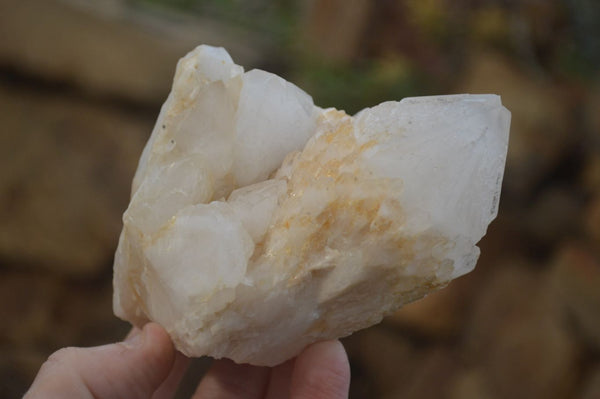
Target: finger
x=132, y=369
x=226, y=379
x=169, y=386
x=132, y=333
x=321, y=371
x=280, y=380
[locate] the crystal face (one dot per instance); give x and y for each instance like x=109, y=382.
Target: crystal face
x=260, y=223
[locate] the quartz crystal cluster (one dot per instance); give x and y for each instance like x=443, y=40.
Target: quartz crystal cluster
x=260, y=223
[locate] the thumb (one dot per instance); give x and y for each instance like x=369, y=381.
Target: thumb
x=134, y=368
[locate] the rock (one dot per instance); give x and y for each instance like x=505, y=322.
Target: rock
x=17, y=371
x=519, y=338
x=591, y=140
x=489, y=24
x=440, y=314
x=577, y=276
x=591, y=173
x=555, y=215
x=592, y=219
x=110, y=48
x=470, y=384
x=591, y=384
x=443, y=314
x=83, y=316
x=333, y=31
x=25, y=327
x=433, y=377
x=387, y=358
x=65, y=168
x=60, y=313
x=52, y=313
x=591, y=117
x=397, y=368
x=259, y=223
x=540, y=126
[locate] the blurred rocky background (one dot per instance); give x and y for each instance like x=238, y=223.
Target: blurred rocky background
x=81, y=83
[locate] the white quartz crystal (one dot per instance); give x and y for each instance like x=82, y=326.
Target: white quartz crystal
x=260, y=223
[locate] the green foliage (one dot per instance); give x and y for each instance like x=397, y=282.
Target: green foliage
x=352, y=88
x=553, y=37
x=274, y=18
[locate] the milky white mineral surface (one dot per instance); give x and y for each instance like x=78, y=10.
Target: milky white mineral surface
x=260, y=223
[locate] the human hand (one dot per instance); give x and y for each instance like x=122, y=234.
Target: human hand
x=146, y=365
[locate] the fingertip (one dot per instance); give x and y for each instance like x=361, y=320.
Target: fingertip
x=157, y=350
x=322, y=371
x=226, y=379
x=135, y=331
x=157, y=337
x=330, y=354
x=134, y=368
x=169, y=386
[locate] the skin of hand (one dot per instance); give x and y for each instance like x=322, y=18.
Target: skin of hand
x=146, y=365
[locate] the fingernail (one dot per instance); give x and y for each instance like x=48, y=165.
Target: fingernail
x=133, y=340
